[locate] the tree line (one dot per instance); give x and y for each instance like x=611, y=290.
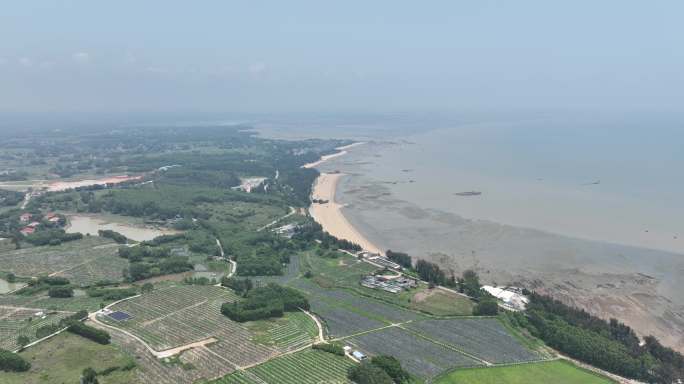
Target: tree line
x=609, y=345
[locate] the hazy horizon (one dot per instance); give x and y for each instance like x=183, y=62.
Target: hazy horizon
x=80, y=57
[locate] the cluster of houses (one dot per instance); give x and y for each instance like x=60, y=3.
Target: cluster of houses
x=392, y=284
x=380, y=260
x=32, y=225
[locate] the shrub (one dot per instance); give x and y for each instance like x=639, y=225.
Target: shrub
x=12, y=362
x=94, y=334
x=333, y=348
x=60, y=291
x=367, y=373
x=486, y=307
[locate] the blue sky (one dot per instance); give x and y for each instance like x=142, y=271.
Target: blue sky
x=257, y=56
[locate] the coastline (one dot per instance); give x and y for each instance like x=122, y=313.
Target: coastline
x=330, y=215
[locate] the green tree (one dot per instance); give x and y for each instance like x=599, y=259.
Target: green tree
x=147, y=288
x=392, y=367
x=367, y=373
x=486, y=307
x=89, y=376
x=23, y=340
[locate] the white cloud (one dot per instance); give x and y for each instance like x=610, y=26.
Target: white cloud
x=81, y=57
x=257, y=68
x=26, y=62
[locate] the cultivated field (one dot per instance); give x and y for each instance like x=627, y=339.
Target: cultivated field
x=15, y=322
x=178, y=315
x=341, y=321
x=418, y=356
x=305, y=367
x=294, y=330
x=345, y=313
x=485, y=338
x=82, y=261
x=556, y=372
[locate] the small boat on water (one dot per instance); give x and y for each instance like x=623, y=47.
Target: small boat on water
x=468, y=193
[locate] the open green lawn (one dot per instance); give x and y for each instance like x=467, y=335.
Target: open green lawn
x=63, y=358
x=441, y=303
x=556, y=372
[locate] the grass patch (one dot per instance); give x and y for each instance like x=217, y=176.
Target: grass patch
x=441, y=303
x=557, y=372
x=63, y=358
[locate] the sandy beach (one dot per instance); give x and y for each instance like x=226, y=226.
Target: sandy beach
x=342, y=151
x=329, y=215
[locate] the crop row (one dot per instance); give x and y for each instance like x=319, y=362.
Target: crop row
x=487, y=339
x=15, y=323
x=420, y=357
x=305, y=367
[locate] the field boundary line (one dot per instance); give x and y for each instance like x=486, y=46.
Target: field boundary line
x=321, y=336
x=40, y=340
x=397, y=325
x=448, y=346
x=150, y=322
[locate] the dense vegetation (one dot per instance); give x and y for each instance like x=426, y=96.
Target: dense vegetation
x=486, y=307
x=112, y=294
x=116, y=236
x=61, y=291
x=334, y=348
x=94, y=334
x=52, y=237
x=265, y=302
x=10, y=198
x=12, y=362
x=608, y=345
x=379, y=370
x=400, y=258
x=146, y=261
x=240, y=286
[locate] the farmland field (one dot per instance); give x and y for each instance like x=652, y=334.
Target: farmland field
x=293, y=330
x=62, y=358
x=305, y=367
x=177, y=315
x=485, y=338
x=556, y=372
x=82, y=261
x=418, y=356
x=346, y=313
x=15, y=322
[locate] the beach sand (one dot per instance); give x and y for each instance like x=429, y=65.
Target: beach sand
x=330, y=216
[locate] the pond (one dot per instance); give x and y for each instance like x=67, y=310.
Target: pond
x=91, y=224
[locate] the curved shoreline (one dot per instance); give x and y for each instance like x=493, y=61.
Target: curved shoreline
x=330, y=215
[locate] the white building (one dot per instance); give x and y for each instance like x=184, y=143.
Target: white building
x=510, y=296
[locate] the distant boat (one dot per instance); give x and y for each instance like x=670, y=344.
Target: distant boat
x=468, y=193
x=597, y=182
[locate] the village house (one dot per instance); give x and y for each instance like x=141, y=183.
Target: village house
x=27, y=231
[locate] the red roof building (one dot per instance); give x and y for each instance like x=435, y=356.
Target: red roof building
x=27, y=230
x=34, y=224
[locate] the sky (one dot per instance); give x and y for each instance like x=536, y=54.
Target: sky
x=305, y=56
